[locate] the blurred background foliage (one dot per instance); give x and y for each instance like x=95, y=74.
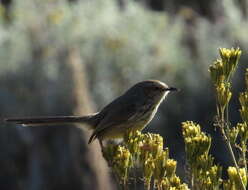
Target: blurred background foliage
x=117, y=43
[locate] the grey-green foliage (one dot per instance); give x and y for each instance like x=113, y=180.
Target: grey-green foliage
x=119, y=47
x=229, y=29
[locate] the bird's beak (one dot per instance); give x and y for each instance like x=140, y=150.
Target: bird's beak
x=172, y=89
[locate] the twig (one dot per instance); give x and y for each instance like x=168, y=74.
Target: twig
x=244, y=155
x=227, y=140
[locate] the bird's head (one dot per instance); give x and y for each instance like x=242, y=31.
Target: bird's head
x=152, y=90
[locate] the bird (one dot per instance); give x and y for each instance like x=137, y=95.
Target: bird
x=131, y=111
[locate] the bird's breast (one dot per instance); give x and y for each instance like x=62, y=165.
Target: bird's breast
x=145, y=115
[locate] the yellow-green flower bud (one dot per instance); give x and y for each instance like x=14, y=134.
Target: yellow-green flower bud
x=233, y=133
x=183, y=187
x=190, y=129
x=223, y=94
x=222, y=69
x=216, y=72
x=133, y=141
x=203, y=162
x=214, y=174
x=243, y=131
x=152, y=143
x=234, y=177
x=122, y=162
x=170, y=166
x=175, y=181
x=148, y=169
x=165, y=183
x=230, y=58
x=160, y=168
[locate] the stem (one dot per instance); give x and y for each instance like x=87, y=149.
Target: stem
x=227, y=140
x=147, y=184
x=243, y=145
x=159, y=188
x=190, y=174
x=153, y=184
x=117, y=180
x=135, y=180
x=236, y=165
x=125, y=180
x=159, y=185
x=227, y=117
x=192, y=180
x=116, y=176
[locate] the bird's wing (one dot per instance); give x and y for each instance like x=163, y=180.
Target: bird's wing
x=116, y=115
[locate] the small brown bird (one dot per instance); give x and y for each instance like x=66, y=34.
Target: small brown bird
x=131, y=111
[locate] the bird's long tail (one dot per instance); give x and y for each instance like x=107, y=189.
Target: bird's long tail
x=88, y=120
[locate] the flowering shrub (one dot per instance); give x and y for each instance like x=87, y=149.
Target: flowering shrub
x=146, y=151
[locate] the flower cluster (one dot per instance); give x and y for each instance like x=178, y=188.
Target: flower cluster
x=233, y=183
x=197, y=143
x=221, y=71
x=152, y=152
x=235, y=137
x=119, y=158
x=204, y=174
x=154, y=160
x=173, y=183
x=145, y=151
x=223, y=95
x=242, y=128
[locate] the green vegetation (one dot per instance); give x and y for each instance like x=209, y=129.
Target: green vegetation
x=119, y=48
x=146, y=151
